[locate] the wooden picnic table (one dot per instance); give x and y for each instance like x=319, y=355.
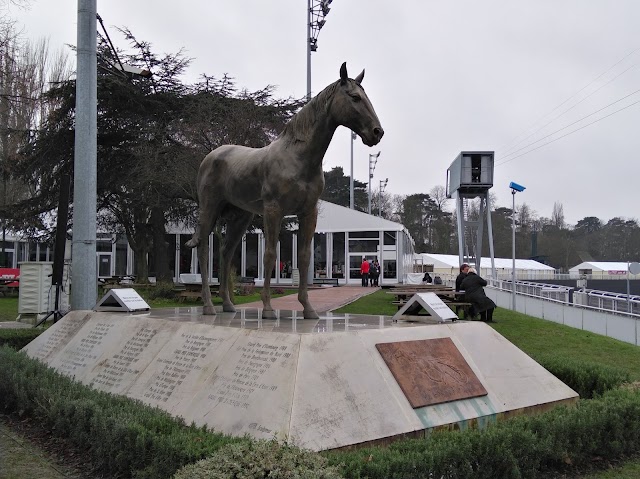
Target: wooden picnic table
x=450, y=297
x=194, y=291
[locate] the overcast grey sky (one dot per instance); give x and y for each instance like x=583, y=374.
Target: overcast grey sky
x=444, y=76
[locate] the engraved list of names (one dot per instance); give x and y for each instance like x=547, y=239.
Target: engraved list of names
x=190, y=355
x=252, y=373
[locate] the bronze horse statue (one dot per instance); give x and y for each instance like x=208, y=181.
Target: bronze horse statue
x=283, y=178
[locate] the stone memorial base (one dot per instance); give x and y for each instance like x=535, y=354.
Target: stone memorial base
x=321, y=384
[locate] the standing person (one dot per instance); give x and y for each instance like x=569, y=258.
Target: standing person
x=375, y=273
x=364, y=272
x=474, y=293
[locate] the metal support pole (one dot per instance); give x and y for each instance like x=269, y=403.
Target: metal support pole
x=308, y=50
x=84, y=283
x=513, y=244
x=351, y=194
x=369, y=196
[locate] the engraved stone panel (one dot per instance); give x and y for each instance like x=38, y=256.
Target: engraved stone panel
x=46, y=346
x=250, y=391
x=97, y=337
x=121, y=366
x=430, y=371
x=182, y=366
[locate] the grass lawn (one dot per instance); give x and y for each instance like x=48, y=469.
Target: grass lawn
x=8, y=308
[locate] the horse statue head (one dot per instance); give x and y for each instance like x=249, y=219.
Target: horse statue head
x=355, y=110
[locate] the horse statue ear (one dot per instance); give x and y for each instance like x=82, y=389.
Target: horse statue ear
x=343, y=74
x=359, y=78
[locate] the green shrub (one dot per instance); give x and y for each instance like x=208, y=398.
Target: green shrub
x=258, y=460
x=244, y=289
x=18, y=338
x=586, y=378
x=161, y=290
x=120, y=436
x=552, y=443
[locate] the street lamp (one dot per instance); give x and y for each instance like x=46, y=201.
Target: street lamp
x=383, y=185
x=515, y=188
x=316, y=11
x=373, y=159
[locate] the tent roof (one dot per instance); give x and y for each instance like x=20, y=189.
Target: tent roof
x=333, y=218
x=452, y=261
x=336, y=218
x=601, y=266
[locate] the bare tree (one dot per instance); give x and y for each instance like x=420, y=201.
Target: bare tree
x=525, y=217
x=439, y=196
x=557, y=216
x=25, y=72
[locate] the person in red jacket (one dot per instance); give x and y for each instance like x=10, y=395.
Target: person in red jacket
x=364, y=272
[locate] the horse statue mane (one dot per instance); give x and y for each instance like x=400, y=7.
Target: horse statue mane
x=283, y=178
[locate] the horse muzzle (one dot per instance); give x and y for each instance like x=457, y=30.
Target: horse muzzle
x=373, y=137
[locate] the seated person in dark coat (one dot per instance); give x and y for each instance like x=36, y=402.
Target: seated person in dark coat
x=464, y=268
x=474, y=293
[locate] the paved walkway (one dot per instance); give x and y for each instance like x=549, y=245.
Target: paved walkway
x=322, y=299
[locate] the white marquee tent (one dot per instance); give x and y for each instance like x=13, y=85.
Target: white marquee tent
x=601, y=269
x=449, y=264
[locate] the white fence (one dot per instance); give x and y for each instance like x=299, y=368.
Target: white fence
x=623, y=327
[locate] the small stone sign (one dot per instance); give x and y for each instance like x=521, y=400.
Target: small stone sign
x=122, y=299
x=430, y=371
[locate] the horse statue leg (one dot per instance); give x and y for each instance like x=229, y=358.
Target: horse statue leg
x=307, y=228
x=200, y=238
x=237, y=223
x=272, y=220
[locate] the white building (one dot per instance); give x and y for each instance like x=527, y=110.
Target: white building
x=343, y=237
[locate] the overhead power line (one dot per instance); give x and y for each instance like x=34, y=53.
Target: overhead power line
x=573, y=123
x=571, y=132
x=510, y=144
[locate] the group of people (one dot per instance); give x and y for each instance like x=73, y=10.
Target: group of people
x=473, y=286
x=370, y=272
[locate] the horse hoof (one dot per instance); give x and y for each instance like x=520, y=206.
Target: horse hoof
x=269, y=314
x=208, y=311
x=192, y=243
x=228, y=308
x=311, y=314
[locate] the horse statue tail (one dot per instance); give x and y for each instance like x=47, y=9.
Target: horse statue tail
x=195, y=239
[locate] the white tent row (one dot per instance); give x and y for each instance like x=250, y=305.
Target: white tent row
x=601, y=269
x=449, y=265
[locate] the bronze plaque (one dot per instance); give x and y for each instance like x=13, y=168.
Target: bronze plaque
x=430, y=371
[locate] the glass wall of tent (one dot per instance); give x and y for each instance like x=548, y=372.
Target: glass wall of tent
x=335, y=255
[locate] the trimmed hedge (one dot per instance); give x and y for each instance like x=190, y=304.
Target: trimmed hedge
x=586, y=378
x=18, y=338
x=524, y=447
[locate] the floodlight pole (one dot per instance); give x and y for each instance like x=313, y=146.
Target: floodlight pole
x=373, y=159
x=84, y=279
x=316, y=11
x=383, y=185
x=351, y=194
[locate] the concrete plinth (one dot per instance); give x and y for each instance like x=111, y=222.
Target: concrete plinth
x=321, y=384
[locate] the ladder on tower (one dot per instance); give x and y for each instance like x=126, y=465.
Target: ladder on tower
x=471, y=229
